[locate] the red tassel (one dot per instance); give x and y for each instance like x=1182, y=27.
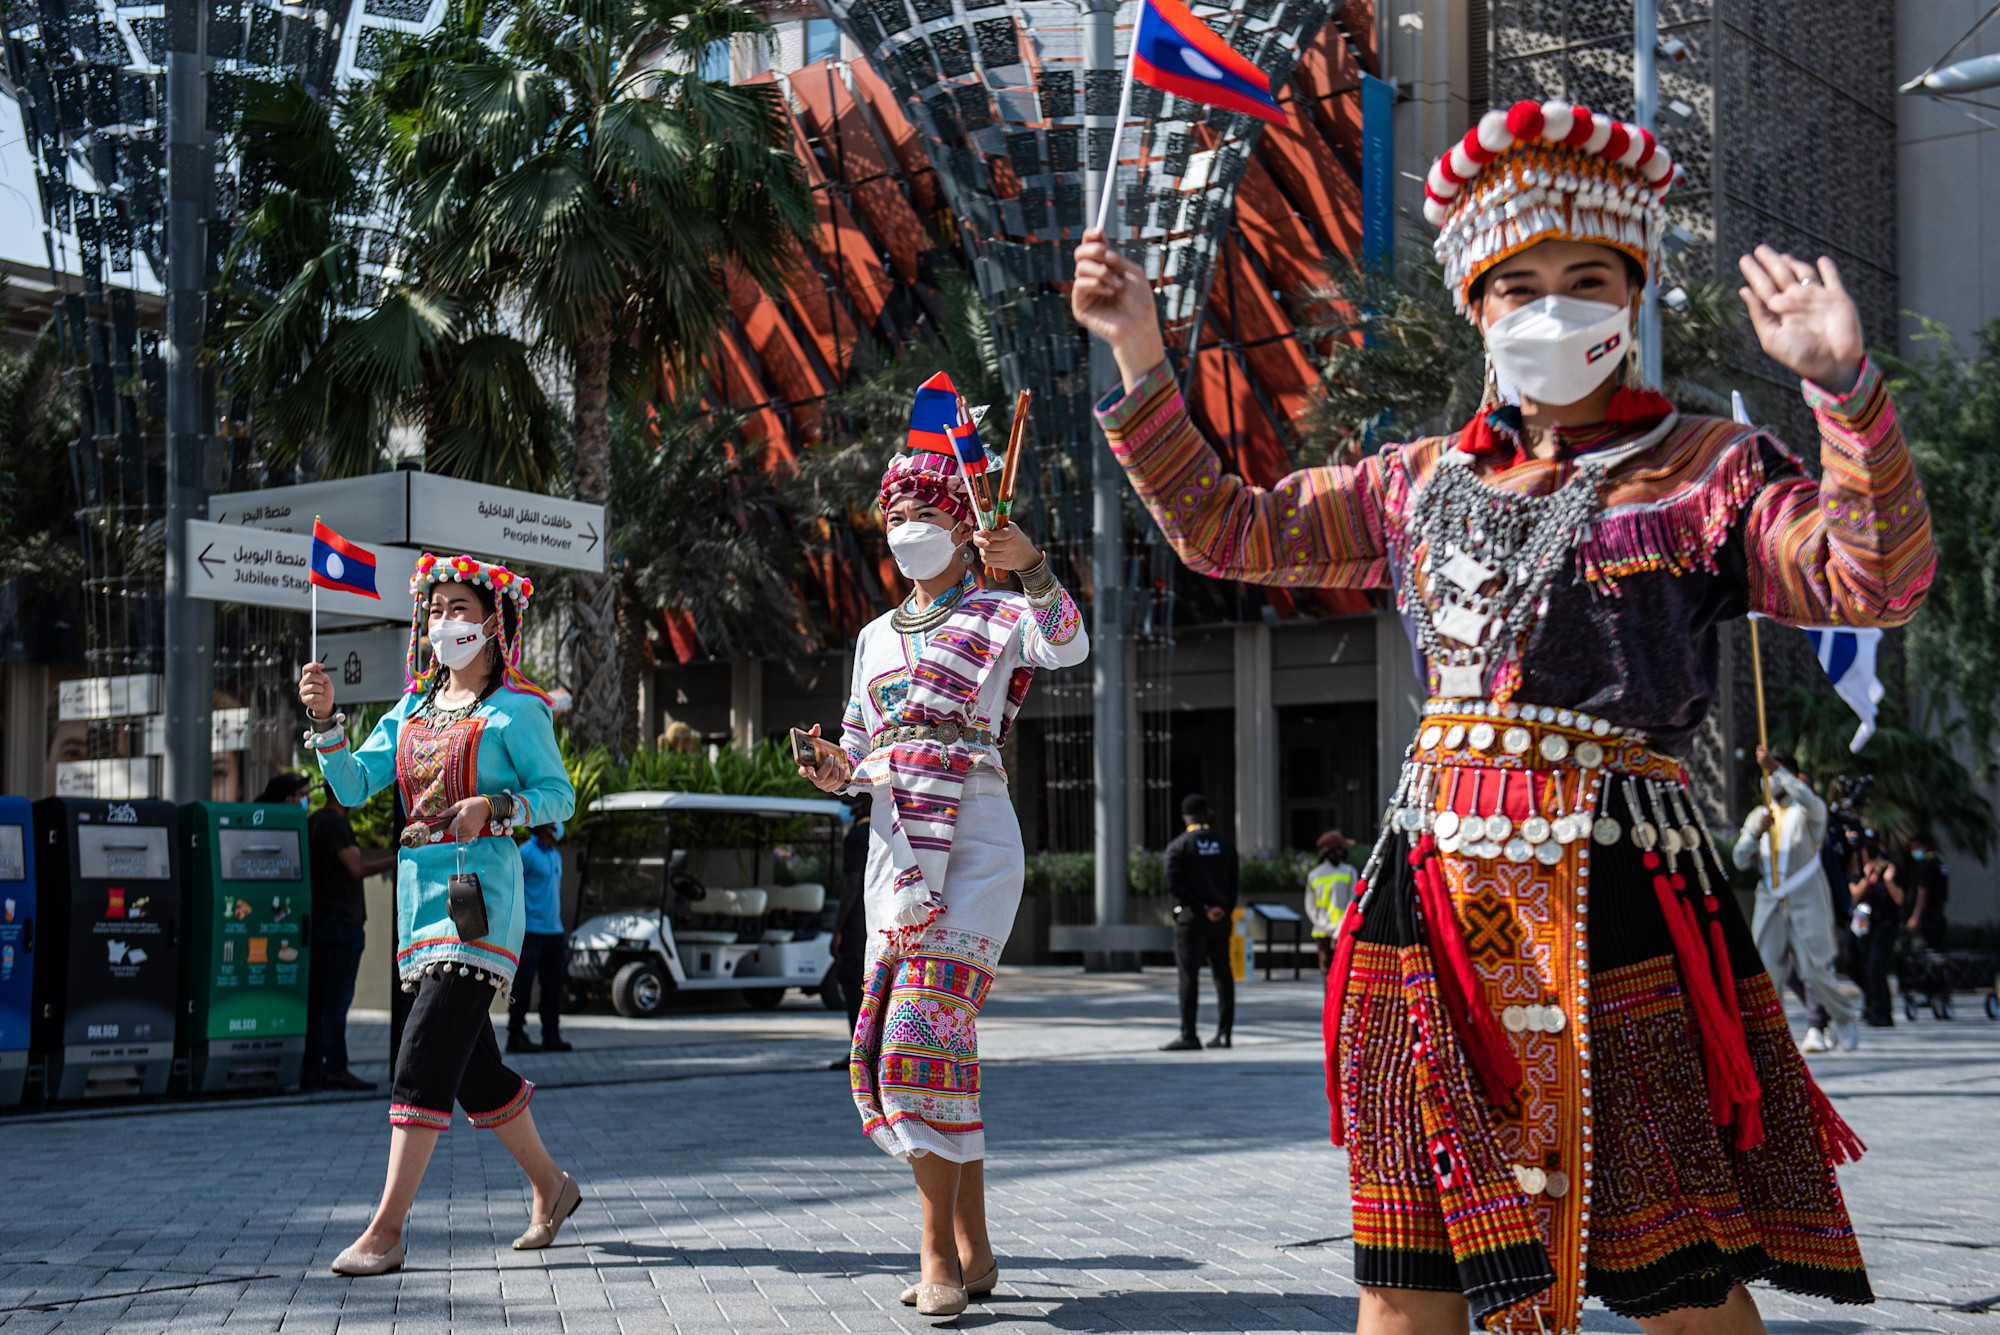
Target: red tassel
x=1749, y=1117
x=1732, y=1081
x=1836, y=1137
x=1479, y=1032
x=1336, y=1000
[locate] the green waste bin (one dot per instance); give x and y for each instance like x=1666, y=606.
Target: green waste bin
x=244, y=975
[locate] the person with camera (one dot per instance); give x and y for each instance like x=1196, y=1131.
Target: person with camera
x=937, y=682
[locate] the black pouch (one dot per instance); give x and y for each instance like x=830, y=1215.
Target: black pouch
x=466, y=902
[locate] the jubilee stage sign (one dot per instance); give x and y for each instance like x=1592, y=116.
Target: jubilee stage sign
x=268, y=568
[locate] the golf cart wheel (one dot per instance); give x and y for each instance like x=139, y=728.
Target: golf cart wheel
x=1941, y=1006
x=640, y=990
x=764, y=998
x=1992, y=1006
x=1909, y=1008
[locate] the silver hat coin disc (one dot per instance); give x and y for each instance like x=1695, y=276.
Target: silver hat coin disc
x=1556, y=1183
x=1498, y=826
x=1553, y=746
x=1535, y=829
x=1644, y=835
x=1549, y=854
x=1454, y=736
x=1516, y=740
x=1432, y=735
x=1517, y=850
x=1444, y=824
x=1607, y=830
x=1670, y=840
x=1515, y=1019
x=1589, y=755
x=1481, y=736
x=1553, y=1020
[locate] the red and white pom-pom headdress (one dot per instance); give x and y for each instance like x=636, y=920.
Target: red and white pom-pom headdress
x=511, y=594
x=1542, y=171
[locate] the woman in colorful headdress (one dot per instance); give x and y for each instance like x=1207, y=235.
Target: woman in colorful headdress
x=472, y=748
x=937, y=682
x=1553, y=1055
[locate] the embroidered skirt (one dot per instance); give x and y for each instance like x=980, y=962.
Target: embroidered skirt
x=914, y=1066
x=1536, y=1106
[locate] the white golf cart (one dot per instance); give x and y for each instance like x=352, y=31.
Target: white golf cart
x=680, y=892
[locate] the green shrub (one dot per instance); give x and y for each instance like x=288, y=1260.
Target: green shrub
x=1273, y=875
x=1051, y=874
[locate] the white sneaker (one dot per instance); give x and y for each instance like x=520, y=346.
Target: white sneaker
x=1849, y=1035
x=1815, y=1041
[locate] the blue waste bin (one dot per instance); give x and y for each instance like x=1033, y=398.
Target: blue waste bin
x=17, y=943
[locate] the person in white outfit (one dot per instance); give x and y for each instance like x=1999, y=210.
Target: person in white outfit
x=1794, y=919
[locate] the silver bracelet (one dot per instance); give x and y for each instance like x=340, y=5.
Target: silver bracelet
x=1040, y=584
x=319, y=730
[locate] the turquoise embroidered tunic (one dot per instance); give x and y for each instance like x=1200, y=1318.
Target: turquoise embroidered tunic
x=507, y=744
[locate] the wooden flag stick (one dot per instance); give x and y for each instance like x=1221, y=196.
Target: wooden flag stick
x=1764, y=743
x=1010, y=471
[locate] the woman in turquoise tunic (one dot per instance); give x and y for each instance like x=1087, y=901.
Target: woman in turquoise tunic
x=472, y=747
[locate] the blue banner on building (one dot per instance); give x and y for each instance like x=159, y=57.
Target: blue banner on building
x=1378, y=170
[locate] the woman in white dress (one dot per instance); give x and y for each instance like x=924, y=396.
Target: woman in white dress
x=937, y=681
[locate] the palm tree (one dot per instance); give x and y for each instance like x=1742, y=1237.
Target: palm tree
x=578, y=175
x=321, y=359
x=701, y=539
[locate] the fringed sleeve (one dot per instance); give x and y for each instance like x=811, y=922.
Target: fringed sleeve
x=1319, y=527
x=1853, y=549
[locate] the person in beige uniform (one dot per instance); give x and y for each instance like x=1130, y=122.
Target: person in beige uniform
x=1793, y=925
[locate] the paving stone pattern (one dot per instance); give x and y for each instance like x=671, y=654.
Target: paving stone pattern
x=727, y=1188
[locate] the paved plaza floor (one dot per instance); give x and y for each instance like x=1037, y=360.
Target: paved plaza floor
x=727, y=1187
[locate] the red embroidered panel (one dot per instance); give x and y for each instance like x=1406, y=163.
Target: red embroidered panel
x=438, y=766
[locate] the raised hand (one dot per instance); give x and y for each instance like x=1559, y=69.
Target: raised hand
x=1112, y=299
x=1804, y=318
x=1007, y=548
x=316, y=691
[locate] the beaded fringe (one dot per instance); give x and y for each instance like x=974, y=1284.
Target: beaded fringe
x=438, y=970
x=1680, y=535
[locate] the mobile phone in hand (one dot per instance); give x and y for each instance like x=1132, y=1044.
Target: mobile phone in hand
x=806, y=748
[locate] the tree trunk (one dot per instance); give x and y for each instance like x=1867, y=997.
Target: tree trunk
x=598, y=704
x=631, y=663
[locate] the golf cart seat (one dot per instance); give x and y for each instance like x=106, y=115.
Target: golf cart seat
x=722, y=916
x=793, y=911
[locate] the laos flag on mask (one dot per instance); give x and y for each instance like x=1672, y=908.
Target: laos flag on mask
x=339, y=564
x=1177, y=53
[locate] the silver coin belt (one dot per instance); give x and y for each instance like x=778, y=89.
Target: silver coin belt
x=1480, y=561
x=1485, y=744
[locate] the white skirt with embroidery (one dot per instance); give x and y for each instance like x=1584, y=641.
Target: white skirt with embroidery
x=915, y=1061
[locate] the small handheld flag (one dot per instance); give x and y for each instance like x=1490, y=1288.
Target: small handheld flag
x=1177, y=53
x=1848, y=655
x=339, y=564
x=933, y=415
x=336, y=564
x=970, y=449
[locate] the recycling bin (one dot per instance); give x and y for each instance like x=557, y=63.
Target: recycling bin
x=17, y=943
x=107, y=967
x=243, y=962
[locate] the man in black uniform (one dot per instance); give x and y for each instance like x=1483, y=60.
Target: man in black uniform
x=1201, y=876
x=850, y=921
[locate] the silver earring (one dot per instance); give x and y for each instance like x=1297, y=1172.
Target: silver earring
x=1490, y=394
x=965, y=554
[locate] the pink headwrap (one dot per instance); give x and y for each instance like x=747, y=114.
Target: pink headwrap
x=929, y=479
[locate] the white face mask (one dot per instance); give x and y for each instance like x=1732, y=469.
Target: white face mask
x=457, y=643
x=922, y=549
x=1558, y=349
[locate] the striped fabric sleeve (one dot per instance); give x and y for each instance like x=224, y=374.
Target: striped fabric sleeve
x=1319, y=527
x=1854, y=548
x=1053, y=636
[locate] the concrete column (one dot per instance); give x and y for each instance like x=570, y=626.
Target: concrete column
x=1135, y=761
x=1399, y=700
x=1425, y=53
x=26, y=704
x=1256, y=743
x=746, y=703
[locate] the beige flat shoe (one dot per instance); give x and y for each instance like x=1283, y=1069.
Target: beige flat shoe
x=944, y=1301
x=976, y=1288
x=543, y=1232
x=354, y=1261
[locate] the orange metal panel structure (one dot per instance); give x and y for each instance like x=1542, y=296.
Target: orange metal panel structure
x=860, y=161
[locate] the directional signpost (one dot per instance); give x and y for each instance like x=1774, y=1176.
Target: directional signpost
x=443, y=514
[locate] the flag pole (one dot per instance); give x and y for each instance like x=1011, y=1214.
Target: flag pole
x=312, y=616
x=1117, y=136
x=1764, y=744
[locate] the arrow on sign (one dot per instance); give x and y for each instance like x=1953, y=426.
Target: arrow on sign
x=205, y=561
x=590, y=531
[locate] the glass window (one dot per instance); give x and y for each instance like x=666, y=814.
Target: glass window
x=715, y=63
x=822, y=40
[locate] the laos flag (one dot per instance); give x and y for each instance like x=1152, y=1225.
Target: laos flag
x=934, y=415
x=339, y=564
x=1176, y=52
